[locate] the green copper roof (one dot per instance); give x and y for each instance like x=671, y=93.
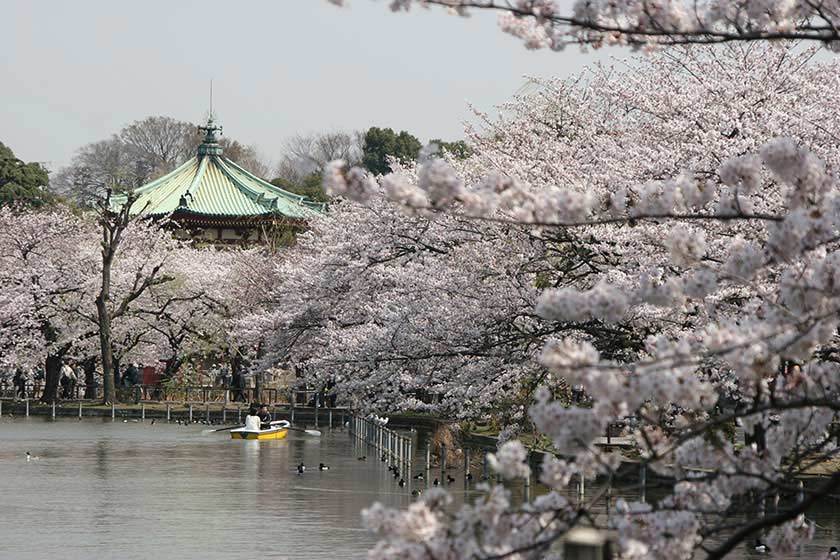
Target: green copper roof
x=212, y=185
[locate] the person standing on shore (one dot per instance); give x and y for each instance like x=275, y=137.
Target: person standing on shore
x=79, y=376
x=38, y=379
x=239, y=380
x=19, y=381
x=67, y=381
x=132, y=375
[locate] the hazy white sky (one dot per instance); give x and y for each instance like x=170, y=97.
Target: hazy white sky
x=74, y=72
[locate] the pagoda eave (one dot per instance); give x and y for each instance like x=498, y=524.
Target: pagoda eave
x=191, y=219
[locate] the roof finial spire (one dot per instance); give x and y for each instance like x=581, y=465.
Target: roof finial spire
x=210, y=145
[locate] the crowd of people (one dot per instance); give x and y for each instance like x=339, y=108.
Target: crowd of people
x=75, y=382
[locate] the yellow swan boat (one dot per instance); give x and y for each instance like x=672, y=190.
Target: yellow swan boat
x=278, y=430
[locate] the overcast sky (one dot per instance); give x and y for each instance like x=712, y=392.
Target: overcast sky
x=74, y=72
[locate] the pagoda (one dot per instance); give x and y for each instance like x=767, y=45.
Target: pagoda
x=211, y=199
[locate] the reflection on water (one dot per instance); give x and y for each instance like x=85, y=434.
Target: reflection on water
x=103, y=489
x=133, y=490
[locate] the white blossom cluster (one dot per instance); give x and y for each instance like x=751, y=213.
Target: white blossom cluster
x=510, y=460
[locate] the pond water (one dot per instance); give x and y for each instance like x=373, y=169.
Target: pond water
x=103, y=489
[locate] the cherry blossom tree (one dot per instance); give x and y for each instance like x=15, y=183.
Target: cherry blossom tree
x=192, y=315
x=45, y=261
x=108, y=284
x=697, y=193
x=377, y=299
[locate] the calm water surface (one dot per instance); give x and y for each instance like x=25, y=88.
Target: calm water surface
x=103, y=489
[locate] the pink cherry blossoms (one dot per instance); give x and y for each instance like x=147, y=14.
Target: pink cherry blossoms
x=720, y=249
x=51, y=267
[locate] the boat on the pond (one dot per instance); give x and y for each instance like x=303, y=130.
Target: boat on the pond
x=278, y=430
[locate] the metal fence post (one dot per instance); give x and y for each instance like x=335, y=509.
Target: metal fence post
x=53, y=410
x=410, y=455
x=224, y=414
x=291, y=406
x=80, y=409
x=466, y=465
x=316, y=410
x=191, y=413
x=581, y=487
x=528, y=479
x=643, y=482
x=27, y=407
x=143, y=412
x=113, y=411
x=168, y=412
x=330, y=419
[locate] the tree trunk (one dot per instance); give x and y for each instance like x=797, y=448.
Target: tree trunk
x=258, y=377
x=172, y=366
x=52, y=373
x=52, y=365
x=236, y=375
x=89, y=366
x=104, y=317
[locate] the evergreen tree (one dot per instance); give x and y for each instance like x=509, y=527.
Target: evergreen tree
x=379, y=143
x=20, y=182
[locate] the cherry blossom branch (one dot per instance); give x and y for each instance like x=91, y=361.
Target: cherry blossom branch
x=540, y=25
x=832, y=484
